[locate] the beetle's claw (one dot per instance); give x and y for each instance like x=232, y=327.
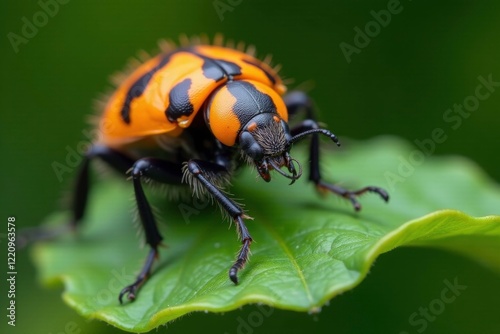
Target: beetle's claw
x=355, y=204
x=381, y=192
x=130, y=291
x=233, y=275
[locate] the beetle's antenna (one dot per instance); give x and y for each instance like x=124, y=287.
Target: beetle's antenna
x=322, y=131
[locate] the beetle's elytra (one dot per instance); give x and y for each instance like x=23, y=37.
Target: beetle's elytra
x=191, y=116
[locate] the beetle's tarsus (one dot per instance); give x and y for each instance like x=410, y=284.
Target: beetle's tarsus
x=352, y=195
x=130, y=291
x=356, y=205
x=233, y=274
x=382, y=193
x=242, y=258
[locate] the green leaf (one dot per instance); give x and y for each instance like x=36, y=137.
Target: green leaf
x=307, y=249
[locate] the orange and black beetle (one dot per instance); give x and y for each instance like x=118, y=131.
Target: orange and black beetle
x=194, y=114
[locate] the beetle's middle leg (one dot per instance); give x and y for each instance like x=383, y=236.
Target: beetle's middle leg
x=161, y=171
x=300, y=102
x=201, y=170
x=156, y=169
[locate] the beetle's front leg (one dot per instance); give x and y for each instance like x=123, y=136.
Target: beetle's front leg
x=300, y=102
x=203, y=172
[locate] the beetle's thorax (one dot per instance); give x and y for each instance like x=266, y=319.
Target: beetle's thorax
x=237, y=104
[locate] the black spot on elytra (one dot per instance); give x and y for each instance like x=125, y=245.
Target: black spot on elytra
x=138, y=87
x=219, y=69
x=249, y=101
x=179, y=105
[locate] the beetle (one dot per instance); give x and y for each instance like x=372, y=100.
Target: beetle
x=191, y=116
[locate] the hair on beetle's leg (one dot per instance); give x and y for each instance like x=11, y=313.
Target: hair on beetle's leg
x=161, y=171
x=113, y=158
x=199, y=169
x=299, y=102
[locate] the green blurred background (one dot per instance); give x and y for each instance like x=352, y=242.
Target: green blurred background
x=427, y=59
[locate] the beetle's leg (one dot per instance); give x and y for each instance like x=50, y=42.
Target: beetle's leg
x=223, y=156
x=199, y=169
x=161, y=171
x=299, y=101
x=155, y=169
x=115, y=159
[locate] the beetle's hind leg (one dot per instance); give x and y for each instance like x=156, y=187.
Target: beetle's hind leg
x=299, y=102
x=115, y=159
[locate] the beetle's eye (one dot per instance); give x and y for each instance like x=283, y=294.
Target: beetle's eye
x=250, y=146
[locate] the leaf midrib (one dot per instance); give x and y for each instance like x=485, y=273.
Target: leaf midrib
x=275, y=235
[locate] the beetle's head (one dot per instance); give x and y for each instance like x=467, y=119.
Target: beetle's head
x=266, y=141
x=253, y=117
